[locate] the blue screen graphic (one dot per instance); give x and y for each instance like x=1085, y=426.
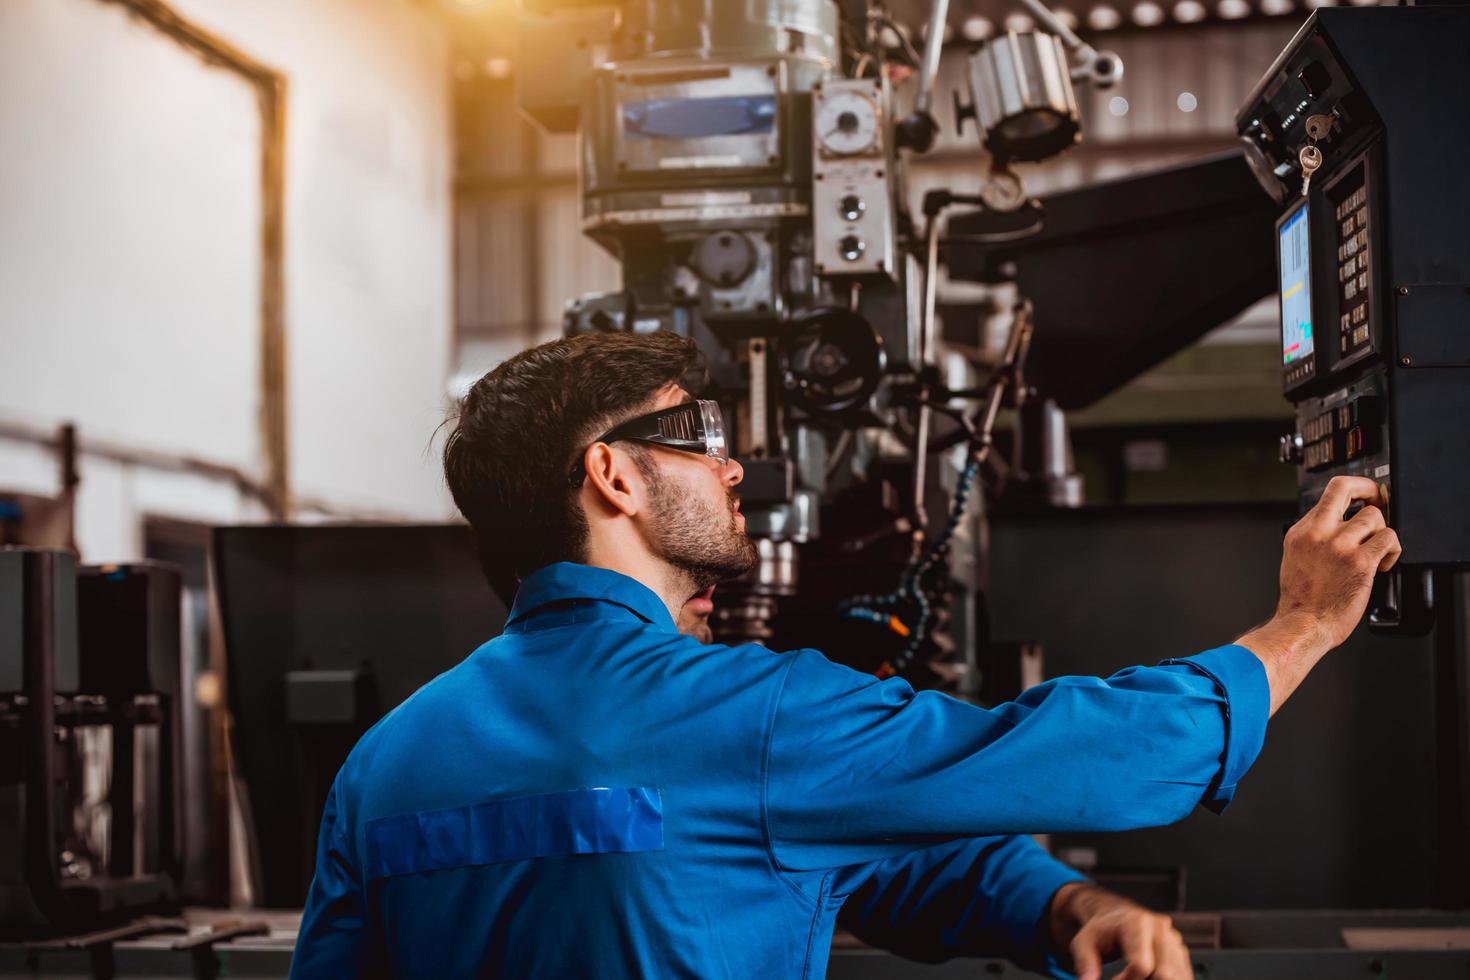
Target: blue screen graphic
x=1296, y=288
x=730, y=115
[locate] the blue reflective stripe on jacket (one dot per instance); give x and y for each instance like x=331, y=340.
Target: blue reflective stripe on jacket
x=594, y=794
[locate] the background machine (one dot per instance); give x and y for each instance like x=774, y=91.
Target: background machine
x=90, y=738
x=745, y=163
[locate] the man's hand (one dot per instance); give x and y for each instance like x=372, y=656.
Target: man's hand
x=1327, y=569
x=1097, y=925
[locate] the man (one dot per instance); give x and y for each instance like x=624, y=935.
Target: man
x=594, y=794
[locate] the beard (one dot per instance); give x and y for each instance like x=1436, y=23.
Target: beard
x=703, y=541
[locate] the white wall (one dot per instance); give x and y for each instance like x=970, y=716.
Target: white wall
x=130, y=251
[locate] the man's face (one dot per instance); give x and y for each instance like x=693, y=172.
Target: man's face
x=695, y=522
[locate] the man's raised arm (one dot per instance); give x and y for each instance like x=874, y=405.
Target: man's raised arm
x=861, y=769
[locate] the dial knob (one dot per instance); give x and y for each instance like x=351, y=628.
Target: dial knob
x=851, y=247
x=847, y=124
x=851, y=207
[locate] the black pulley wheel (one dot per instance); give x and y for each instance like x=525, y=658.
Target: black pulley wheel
x=833, y=360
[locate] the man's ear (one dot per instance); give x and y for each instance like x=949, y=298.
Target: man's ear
x=613, y=479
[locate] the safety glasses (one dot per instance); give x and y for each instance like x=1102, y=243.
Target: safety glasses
x=693, y=427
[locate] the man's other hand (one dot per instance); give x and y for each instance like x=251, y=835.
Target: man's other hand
x=1327, y=569
x=1097, y=925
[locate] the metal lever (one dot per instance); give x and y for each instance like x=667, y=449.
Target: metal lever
x=1402, y=602
x=1102, y=69
x=934, y=204
x=918, y=129
x=933, y=45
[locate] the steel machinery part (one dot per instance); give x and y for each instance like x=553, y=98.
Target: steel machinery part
x=1103, y=69
x=1022, y=96
x=918, y=129
x=833, y=361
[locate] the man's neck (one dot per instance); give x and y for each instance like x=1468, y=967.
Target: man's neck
x=671, y=585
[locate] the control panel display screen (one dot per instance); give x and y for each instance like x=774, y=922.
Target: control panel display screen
x=1296, y=288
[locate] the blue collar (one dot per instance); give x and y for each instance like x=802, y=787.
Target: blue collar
x=566, y=581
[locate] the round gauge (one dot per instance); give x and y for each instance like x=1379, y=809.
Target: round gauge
x=1003, y=190
x=847, y=123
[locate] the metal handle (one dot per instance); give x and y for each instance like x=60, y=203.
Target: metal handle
x=933, y=45
x=1402, y=602
x=1102, y=69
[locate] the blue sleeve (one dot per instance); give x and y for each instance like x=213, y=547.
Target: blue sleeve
x=978, y=896
x=859, y=769
x=333, y=939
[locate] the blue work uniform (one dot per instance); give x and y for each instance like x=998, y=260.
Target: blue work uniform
x=593, y=793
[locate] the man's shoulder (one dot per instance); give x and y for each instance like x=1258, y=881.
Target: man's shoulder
x=422, y=713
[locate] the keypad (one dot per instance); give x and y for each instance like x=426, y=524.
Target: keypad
x=1353, y=274
x=1344, y=433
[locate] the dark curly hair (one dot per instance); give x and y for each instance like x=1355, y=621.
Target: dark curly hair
x=521, y=427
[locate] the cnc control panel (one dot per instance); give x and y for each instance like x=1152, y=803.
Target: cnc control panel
x=1374, y=260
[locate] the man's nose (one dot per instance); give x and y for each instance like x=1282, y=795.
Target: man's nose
x=732, y=472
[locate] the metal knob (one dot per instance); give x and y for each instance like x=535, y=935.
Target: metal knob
x=851, y=207
x=851, y=247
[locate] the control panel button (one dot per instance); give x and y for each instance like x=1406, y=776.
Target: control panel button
x=851, y=247
x=851, y=207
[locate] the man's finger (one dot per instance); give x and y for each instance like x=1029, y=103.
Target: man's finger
x=1365, y=523
x=1186, y=961
x=1086, y=956
x=1173, y=957
x=1341, y=491
x=1385, y=547
x=1137, y=946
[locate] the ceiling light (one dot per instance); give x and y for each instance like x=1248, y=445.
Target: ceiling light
x=1276, y=8
x=1118, y=105
x=1067, y=18
x=1019, y=23
x=1189, y=11
x=1233, y=9
x=976, y=29
x=1102, y=18
x=497, y=67
x=1187, y=102
x=1148, y=14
